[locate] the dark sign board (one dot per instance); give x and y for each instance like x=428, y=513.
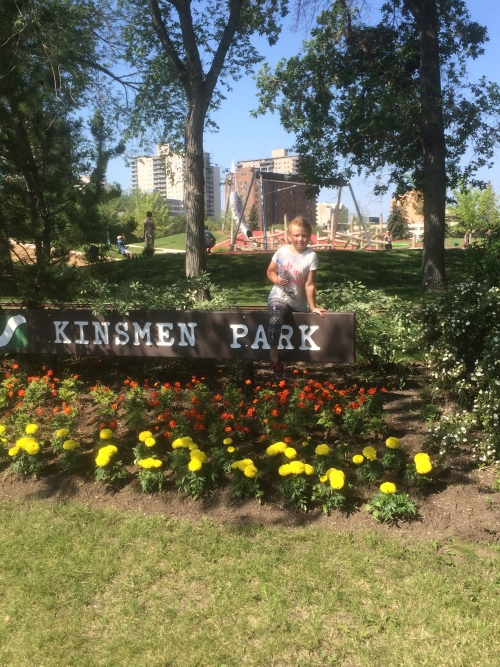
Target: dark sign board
x=193, y=334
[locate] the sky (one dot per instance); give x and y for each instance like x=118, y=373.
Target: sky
x=242, y=137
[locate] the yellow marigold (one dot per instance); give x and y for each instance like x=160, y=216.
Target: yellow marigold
x=149, y=463
x=280, y=447
x=290, y=453
x=388, y=487
x=285, y=470
x=109, y=450
x=179, y=443
x=30, y=446
x=323, y=478
x=358, y=459
x=198, y=454
x=70, y=444
x=421, y=456
x=150, y=442
x=2, y=429
x=322, y=450
x=14, y=451
x=194, y=465
x=337, y=479
x=308, y=469
x=297, y=467
x=106, y=434
x=31, y=429
x=102, y=460
x=227, y=441
x=144, y=435
x=423, y=466
x=393, y=443
x=370, y=453
x=250, y=471
x=242, y=464
x=231, y=449
x=62, y=433
x=271, y=450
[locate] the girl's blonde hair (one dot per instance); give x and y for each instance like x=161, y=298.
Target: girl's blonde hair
x=299, y=221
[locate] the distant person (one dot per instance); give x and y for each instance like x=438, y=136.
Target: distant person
x=388, y=241
x=210, y=239
x=149, y=233
x=467, y=239
x=122, y=248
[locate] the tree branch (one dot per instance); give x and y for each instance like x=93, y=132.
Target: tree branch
x=170, y=50
x=224, y=44
x=101, y=68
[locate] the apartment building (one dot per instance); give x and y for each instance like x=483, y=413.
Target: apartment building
x=277, y=196
x=165, y=173
x=280, y=162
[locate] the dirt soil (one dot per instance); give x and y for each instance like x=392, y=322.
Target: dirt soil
x=464, y=506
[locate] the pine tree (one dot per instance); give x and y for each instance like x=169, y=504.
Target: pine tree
x=397, y=224
x=253, y=219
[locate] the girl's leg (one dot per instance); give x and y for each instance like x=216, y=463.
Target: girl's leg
x=277, y=309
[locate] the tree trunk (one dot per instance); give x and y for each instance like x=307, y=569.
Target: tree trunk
x=195, y=190
x=433, y=143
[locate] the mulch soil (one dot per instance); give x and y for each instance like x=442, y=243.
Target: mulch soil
x=464, y=505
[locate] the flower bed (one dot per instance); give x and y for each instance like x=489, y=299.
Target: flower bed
x=310, y=443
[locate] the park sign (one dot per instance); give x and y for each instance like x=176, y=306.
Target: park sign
x=193, y=334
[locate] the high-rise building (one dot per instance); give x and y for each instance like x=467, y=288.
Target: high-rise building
x=281, y=196
x=280, y=162
x=165, y=173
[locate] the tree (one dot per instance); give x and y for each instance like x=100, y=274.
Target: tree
x=185, y=54
x=253, y=219
x=476, y=210
x=370, y=98
x=397, y=223
x=49, y=50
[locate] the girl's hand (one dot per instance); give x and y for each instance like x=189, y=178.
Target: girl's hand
x=282, y=281
x=319, y=310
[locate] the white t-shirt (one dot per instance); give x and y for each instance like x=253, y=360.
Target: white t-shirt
x=294, y=267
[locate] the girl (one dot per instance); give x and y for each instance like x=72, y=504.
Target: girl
x=292, y=270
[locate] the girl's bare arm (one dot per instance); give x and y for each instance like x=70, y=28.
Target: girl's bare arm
x=311, y=294
x=272, y=274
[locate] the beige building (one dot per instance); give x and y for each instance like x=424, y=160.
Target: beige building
x=324, y=210
x=165, y=173
x=280, y=162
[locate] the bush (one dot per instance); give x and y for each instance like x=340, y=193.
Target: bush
x=384, y=331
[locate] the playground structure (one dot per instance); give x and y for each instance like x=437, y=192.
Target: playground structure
x=242, y=238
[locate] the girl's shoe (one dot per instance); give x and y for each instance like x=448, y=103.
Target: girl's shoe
x=278, y=369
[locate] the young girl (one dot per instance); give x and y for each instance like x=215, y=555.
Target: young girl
x=292, y=270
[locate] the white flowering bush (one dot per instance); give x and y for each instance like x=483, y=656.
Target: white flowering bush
x=385, y=331
x=460, y=335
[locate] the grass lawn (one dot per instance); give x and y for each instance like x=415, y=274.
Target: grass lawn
x=397, y=272
x=83, y=587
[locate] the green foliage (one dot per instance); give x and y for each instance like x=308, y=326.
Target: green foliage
x=459, y=332
x=329, y=499
x=369, y=472
x=381, y=338
x=28, y=464
x=182, y=295
x=253, y=219
x=353, y=97
x=151, y=479
x=244, y=487
x=397, y=223
x=392, y=507
x=295, y=489
x=112, y=474
x=476, y=211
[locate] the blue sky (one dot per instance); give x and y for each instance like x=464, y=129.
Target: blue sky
x=242, y=137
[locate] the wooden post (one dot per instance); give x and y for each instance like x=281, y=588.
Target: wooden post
x=381, y=219
x=285, y=227
x=336, y=218
x=351, y=226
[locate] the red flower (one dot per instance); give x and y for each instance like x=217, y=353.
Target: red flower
x=372, y=391
x=228, y=429
x=275, y=413
x=248, y=381
x=384, y=390
x=113, y=423
x=172, y=423
x=245, y=429
x=15, y=366
x=67, y=410
x=21, y=393
x=50, y=373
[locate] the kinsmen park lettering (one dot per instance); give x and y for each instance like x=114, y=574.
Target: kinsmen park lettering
x=166, y=334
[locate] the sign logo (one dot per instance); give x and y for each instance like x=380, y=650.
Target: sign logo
x=13, y=332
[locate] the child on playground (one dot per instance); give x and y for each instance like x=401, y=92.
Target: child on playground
x=293, y=272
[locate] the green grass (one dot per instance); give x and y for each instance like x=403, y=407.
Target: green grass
x=82, y=587
x=396, y=273
x=178, y=241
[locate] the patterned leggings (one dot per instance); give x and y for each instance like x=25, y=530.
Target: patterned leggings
x=277, y=309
